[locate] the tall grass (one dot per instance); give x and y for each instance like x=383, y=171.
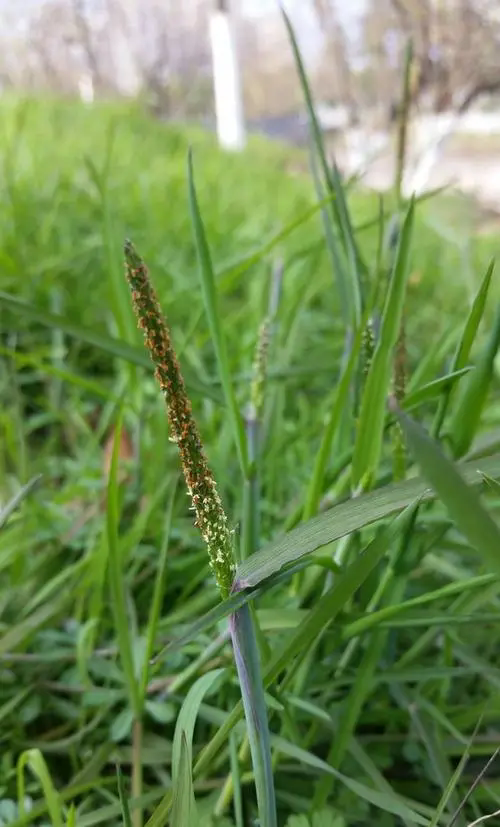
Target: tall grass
x=367, y=603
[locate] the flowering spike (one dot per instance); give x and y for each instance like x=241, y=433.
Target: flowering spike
x=210, y=516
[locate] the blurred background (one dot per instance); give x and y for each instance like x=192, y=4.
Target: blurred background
x=159, y=51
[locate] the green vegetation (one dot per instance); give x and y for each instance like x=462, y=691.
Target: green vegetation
x=375, y=616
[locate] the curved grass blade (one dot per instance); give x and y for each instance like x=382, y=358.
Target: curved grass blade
x=17, y=499
x=183, y=805
x=388, y=802
x=224, y=608
x=49, y=369
x=425, y=393
x=182, y=749
x=348, y=285
x=116, y=579
x=108, y=344
x=471, y=402
x=368, y=445
x=34, y=759
x=345, y=518
x=159, y=590
x=462, y=502
x=465, y=344
x=214, y=319
x=237, y=268
x=340, y=396
x=127, y=821
x=246, y=656
x=369, y=621
x=323, y=614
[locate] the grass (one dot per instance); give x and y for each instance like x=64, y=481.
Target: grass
x=376, y=627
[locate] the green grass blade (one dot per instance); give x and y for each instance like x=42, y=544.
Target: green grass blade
x=182, y=750
x=367, y=622
x=71, y=817
x=473, y=787
x=404, y=114
x=225, y=608
x=467, y=339
x=471, y=402
x=368, y=445
x=108, y=344
x=9, y=508
x=183, y=805
x=246, y=655
x=429, y=735
x=345, y=518
x=16, y=635
x=358, y=693
x=337, y=258
x=127, y=821
x=34, y=759
x=228, y=273
x=236, y=779
x=387, y=802
x=462, y=502
x=49, y=369
x=214, y=320
x=116, y=578
x=347, y=287
x=425, y=393
x=159, y=591
x=340, y=396
x=324, y=613
x=333, y=601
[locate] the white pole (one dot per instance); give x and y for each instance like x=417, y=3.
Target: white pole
x=227, y=85
x=86, y=87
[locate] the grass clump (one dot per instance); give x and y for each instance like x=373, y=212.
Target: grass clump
x=364, y=599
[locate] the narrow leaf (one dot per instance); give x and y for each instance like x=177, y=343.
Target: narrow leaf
x=116, y=578
x=159, y=590
x=246, y=656
x=345, y=518
x=182, y=751
x=429, y=391
x=214, y=318
x=34, y=760
x=127, y=821
x=17, y=499
x=350, y=287
x=108, y=344
x=471, y=403
x=460, y=499
x=339, y=401
x=183, y=804
x=373, y=405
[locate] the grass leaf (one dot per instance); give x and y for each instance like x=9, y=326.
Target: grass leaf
x=344, y=519
x=460, y=499
x=17, y=499
x=117, y=580
x=471, y=402
x=467, y=339
x=214, y=319
x=183, y=805
x=127, y=821
x=108, y=344
x=34, y=760
x=368, y=444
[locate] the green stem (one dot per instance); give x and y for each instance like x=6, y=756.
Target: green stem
x=137, y=770
x=252, y=692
